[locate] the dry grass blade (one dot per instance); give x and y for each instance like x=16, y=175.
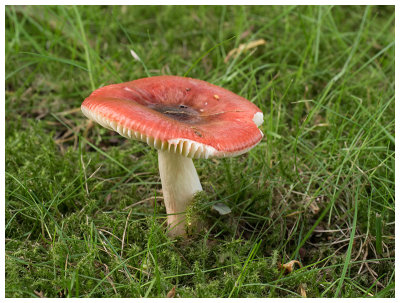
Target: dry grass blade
x=302, y=291
x=97, y=169
x=111, y=234
x=374, y=275
x=89, y=125
x=107, y=274
x=135, y=56
x=109, y=279
x=123, y=235
x=70, y=111
x=243, y=47
x=84, y=173
x=144, y=200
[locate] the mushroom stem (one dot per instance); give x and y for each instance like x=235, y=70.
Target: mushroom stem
x=180, y=182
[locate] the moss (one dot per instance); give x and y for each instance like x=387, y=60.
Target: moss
x=83, y=206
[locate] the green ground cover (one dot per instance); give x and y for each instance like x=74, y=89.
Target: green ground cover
x=84, y=212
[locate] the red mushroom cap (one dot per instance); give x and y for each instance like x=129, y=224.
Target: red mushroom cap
x=191, y=117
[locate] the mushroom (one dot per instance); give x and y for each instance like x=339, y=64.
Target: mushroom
x=183, y=118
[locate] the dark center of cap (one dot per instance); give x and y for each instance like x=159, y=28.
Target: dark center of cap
x=181, y=113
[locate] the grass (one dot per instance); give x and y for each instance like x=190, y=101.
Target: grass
x=84, y=212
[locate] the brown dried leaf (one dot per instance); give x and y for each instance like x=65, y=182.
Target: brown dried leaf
x=39, y=293
x=171, y=293
x=244, y=47
x=288, y=267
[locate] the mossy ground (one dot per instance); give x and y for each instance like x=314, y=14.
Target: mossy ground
x=84, y=212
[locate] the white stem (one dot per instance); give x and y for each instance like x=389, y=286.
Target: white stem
x=180, y=182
